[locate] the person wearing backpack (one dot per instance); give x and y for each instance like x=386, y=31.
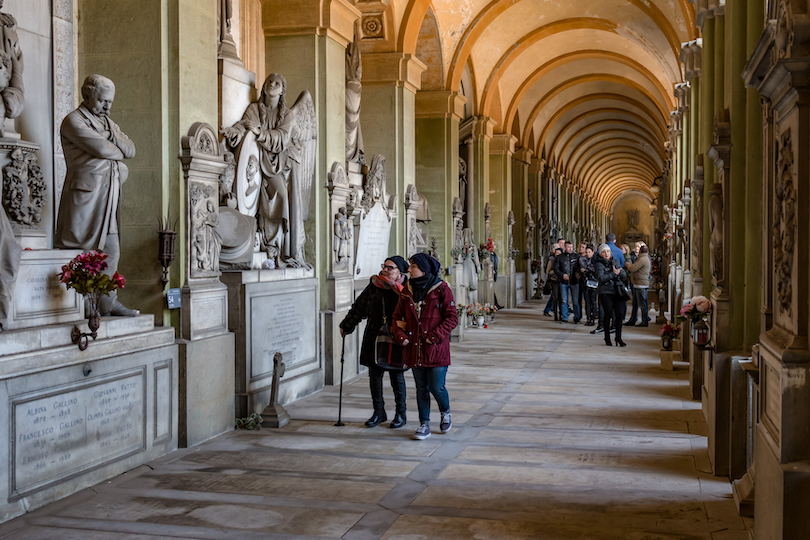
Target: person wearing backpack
x=376, y=304
x=423, y=319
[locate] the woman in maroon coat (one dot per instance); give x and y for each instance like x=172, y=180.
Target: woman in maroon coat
x=425, y=315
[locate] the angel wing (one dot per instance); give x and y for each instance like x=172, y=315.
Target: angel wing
x=305, y=136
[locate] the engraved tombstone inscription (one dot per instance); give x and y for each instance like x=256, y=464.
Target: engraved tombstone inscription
x=372, y=244
x=63, y=432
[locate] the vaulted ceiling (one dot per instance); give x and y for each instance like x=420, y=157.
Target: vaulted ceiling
x=588, y=84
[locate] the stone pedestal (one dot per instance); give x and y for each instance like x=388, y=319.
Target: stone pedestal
x=341, y=295
x=486, y=283
x=667, y=359
x=695, y=369
x=718, y=390
x=39, y=297
x=274, y=311
x=76, y=418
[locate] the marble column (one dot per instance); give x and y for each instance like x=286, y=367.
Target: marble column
x=437, y=152
x=390, y=83
x=501, y=150
x=477, y=133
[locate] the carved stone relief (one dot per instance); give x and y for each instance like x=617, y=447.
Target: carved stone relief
x=487, y=221
x=23, y=189
x=512, y=253
x=343, y=228
x=462, y=183
x=784, y=224
x=697, y=227
x=530, y=226
x=205, y=240
x=716, y=234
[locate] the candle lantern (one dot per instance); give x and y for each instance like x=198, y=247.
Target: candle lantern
x=166, y=246
x=700, y=334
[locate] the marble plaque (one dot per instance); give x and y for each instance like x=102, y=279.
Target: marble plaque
x=285, y=323
x=163, y=401
x=208, y=313
x=343, y=293
x=60, y=433
x=372, y=244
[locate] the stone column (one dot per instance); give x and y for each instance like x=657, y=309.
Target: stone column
x=778, y=70
x=476, y=132
x=390, y=83
x=501, y=150
x=437, y=152
x=520, y=203
x=206, y=346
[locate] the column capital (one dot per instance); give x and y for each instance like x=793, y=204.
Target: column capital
x=476, y=127
x=332, y=18
x=524, y=155
x=393, y=69
x=502, y=143
x=692, y=58
x=537, y=165
x=440, y=104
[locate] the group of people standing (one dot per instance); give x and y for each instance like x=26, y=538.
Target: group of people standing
x=409, y=301
x=599, y=281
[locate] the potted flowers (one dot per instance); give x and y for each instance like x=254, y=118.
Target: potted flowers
x=85, y=274
x=479, y=311
x=695, y=311
x=668, y=333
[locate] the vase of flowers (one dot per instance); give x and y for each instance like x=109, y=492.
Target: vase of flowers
x=696, y=310
x=668, y=333
x=85, y=274
x=479, y=311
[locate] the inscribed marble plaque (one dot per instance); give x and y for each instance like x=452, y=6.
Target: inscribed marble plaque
x=208, y=313
x=59, y=433
x=343, y=293
x=39, y=291
x=372, y=244
x=285, y=323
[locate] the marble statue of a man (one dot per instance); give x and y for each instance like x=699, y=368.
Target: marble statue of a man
x=10, y=252
x=89, y=213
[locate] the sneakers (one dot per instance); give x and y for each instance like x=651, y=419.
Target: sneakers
x=447, y=423
x=422, y=432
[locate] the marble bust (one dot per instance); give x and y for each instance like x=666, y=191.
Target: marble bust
x=89, y=212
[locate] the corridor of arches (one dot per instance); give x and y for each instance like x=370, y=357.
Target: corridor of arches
x=477, y=131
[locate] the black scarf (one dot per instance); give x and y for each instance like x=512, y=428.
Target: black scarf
x=421, y=285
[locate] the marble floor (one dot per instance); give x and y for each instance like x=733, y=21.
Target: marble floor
x=555, y=436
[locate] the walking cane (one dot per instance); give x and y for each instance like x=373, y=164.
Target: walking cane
x=340, y=399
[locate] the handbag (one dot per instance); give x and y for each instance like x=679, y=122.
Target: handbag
x=622, y=290
x=547, y=287
x=591, y=283
x=387, y=355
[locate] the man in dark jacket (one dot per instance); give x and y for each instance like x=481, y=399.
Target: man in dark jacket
x=567, y=267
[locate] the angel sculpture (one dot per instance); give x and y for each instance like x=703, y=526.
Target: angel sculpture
x=280, y=142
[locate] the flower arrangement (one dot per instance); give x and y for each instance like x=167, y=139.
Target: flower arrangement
x=84, y=273
x=695, y=310
x=536, y=266
x=669, y=331
x=489, y=246
x=480, y=310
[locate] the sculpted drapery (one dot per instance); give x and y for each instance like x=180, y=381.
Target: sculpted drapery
x=284, y=139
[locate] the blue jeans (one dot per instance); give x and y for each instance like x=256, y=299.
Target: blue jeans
x=640, y=303
x=574, y=290
x=430, y=380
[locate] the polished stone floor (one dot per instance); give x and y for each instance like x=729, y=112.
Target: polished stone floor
x=555, y=436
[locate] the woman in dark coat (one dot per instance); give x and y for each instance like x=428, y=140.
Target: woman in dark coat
x=377, y=302
x=424, y=317
x=609, y=274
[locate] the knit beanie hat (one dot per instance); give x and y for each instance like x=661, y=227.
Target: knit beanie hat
x=401, y=263
x=604, y=247
x=426, y=263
